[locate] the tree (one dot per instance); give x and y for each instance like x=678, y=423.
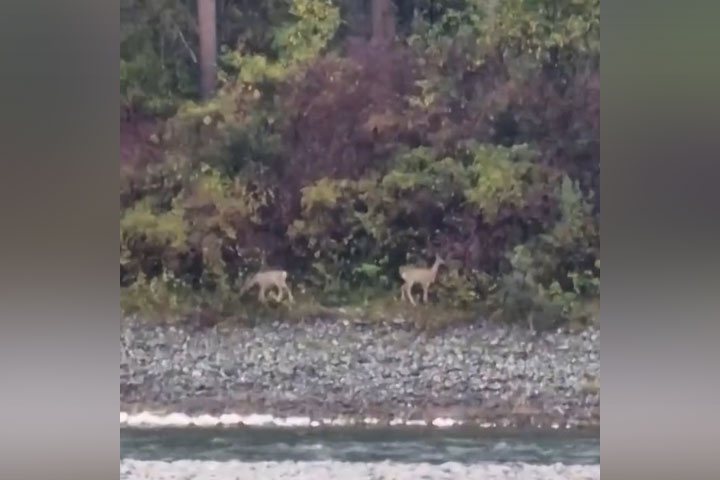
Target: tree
x=383, y=21
x=208, y=47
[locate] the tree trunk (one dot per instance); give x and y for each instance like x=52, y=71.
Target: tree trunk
x=383, y=21
x=208, y=47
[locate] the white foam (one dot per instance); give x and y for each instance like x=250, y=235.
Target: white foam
x=176, y=419
x=206, y=421
x=230, y=419
x=445, y=422
x=257, y=420
x=179, y=419
x=294, y=422
x=413, y=423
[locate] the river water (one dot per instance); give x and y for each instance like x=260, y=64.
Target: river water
x=398, y=445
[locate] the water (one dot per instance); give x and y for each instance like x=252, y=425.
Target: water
x=398, y=445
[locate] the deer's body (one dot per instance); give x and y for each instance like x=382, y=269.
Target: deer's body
x=416, y=275
x=267, y=280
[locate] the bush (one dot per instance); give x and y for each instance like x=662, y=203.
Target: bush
x=475, y=137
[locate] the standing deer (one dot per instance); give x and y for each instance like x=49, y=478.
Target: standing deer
x=416, y=275
x=266, y=280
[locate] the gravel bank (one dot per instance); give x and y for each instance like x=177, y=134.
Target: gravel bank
x=323, y=369
x=200, y=470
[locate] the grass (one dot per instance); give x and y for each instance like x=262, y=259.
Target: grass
x=227, y=309
x=161, y=305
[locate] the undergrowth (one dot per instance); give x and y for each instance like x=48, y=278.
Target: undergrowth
x=474, y=136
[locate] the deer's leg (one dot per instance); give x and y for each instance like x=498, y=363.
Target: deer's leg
x=402, y=292
x=409, y=292
x=261, y=295
x=245, y=288
x=279, y=294
x=289, y=294
x=425, y=292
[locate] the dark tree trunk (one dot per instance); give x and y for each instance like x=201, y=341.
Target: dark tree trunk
x=383, y=21
x=208, y=46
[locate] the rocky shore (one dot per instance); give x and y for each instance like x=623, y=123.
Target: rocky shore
x=199, y=470
x=490, y=375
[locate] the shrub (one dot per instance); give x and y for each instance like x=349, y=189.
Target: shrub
x=474, y=136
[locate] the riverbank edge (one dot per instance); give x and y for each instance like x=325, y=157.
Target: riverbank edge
x=147, y=418
x=513, y=413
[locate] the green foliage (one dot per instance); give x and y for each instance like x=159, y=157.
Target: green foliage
x=315, y=23
x=159, y=46
x=463, y=290
x=524, y=27
x=540, y=26
x=498, y=177
x=577, y=222
x=322, y=194
x=295, y=42
x=542, y=284
x=166, y=228
x=254, y=69
x=341, y=241
x=156, y=62
x=423, y=169
x=163, y=297
x=475, y=136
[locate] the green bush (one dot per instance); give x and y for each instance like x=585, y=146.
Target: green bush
x=475, y=137
x=163, y=297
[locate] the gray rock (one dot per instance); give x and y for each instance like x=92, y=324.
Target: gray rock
x=323, y=364
x=322, y=470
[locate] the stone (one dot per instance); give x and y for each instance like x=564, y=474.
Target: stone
x=364, y=365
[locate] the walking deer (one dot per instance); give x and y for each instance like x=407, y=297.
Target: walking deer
x=267, y=280
x=416, y=275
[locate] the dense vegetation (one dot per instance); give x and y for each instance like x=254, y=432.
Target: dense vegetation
x=474, y=134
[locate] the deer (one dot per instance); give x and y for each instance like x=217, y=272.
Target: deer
x=267, y=280
x=417, y=275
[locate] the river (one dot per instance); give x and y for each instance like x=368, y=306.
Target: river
x=362, y=452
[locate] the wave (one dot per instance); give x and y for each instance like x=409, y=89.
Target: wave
x=149, y=419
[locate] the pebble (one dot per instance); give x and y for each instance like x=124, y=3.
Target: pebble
x=322, y=470
x=335, y=367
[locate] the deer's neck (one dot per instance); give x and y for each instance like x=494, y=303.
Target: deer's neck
x=435, y=267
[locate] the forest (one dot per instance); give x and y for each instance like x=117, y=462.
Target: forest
x=342, y=139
